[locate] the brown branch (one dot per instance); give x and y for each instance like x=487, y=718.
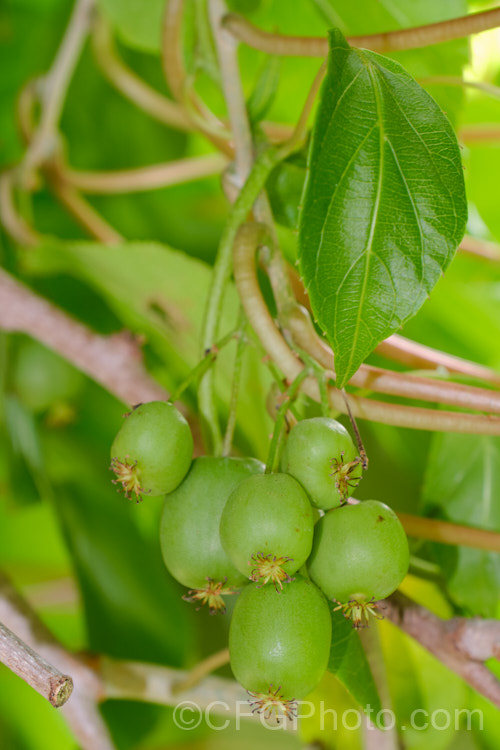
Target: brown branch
x=52, y=684
x=445, y=532
x=144, y=178
x=460, y=644
x=419, y=36
x=81, y=711
x=113, y=361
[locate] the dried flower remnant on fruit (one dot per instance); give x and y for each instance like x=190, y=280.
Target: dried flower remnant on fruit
x=359, y=611
x=341, y=473
x=212, y=595
x=127, y=474
x=272, y=704
x=269, y=568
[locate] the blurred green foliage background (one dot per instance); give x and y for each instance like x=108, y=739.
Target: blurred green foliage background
x=88, y=560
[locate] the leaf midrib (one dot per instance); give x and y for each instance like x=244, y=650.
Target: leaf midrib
x=376, y=206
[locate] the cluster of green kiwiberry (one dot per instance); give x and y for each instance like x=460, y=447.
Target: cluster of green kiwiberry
x=285, y=540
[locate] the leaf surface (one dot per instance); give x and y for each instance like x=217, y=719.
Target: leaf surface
x=384, y=205
x=462, y=485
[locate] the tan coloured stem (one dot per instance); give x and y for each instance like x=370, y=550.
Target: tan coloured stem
x=145, y=178
x=419, y=36
x=445, y=532
x=379, y=380
x=249, y=237
x=131, y=85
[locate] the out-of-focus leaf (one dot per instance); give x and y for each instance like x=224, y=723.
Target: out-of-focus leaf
x=285, y=186
x=138, y=23
x=161, y=293
x=462, y=484
x=27, y=471
x=262, y=96
x=384, y=206
x=419, y=683
x=349, y=664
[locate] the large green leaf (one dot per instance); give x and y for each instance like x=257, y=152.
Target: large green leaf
x=462, y=484
x=384, y=205
x=349, y=664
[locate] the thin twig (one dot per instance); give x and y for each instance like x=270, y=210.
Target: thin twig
x=226, y=47
x=131, y=85
x=81, y=712
x=454, y=642
x=247, y=240
x=145, y=178
x=155, y=684
x=113, y=361
x=482, y=133
x=85, y=214
x=397, y=348
x=421, y=357
x=55, y=85
x=204, y=668
x=481, y=248
x=419, y=36
x=379, y=380
x=52, y=684
x=445, y=532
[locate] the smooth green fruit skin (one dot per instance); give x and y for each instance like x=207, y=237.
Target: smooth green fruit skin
x=42, y=378
x=359, y=551
x=268, y=514
x=281, y=639
x=189, y=530
x=308, y=454
x=157, y=436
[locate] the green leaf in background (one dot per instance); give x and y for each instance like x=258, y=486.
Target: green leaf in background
x=384, y=204
x=349, y=664
x=262, y=96
x=161, y=293
x=285, y=186
x=462, y=484
x=138, y=23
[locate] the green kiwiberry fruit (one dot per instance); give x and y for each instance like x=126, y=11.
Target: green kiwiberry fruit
x=267, y=527
x=279, y=645
x=189, y=532
x=321, y=455
x=360, y=555
x=152, y=452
